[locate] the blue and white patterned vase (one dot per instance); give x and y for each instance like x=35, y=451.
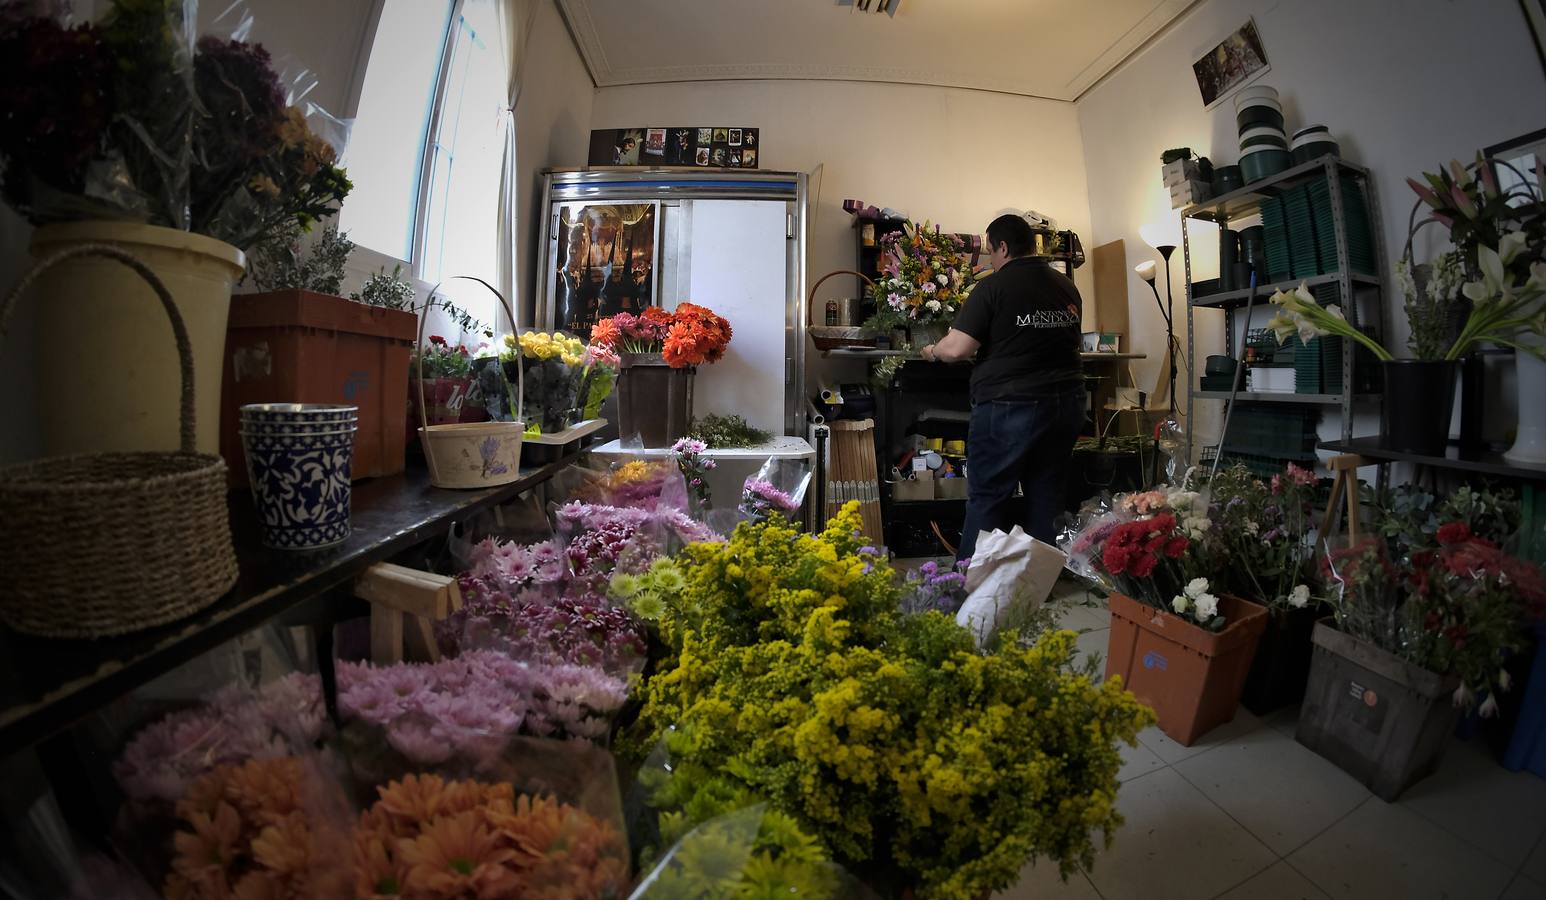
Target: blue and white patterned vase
x=298, y=462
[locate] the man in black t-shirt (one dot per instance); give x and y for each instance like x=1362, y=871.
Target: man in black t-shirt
x=1028, y=400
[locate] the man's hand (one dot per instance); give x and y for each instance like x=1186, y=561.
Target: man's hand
x=954, y=347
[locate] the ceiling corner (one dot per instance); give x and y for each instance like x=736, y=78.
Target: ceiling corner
x=582, y=27
x=1164, y=13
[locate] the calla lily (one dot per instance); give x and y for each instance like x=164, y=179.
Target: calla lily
x=1510, y=245
x=1491, y=264
x=1489, y=707
x=1476, y=292
x=1283, y=327
x=1537, y=276
x=1336, y=311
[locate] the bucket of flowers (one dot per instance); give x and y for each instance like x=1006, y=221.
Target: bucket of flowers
x=1423, y=625
x=447, y=374
x=1180, y=645
x=554, y=365
x=658, y=354
x=1265, y=527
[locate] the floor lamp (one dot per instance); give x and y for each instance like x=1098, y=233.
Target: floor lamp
x=1146, y=271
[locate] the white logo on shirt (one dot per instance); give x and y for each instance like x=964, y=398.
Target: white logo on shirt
x=1049, y=318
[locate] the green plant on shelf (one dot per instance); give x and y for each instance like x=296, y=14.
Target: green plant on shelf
x=727, y=432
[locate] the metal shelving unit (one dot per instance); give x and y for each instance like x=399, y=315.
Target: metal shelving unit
x=1246, y=203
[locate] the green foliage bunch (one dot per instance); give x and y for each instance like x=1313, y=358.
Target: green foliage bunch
x=724, y=432
x=282, y=263
x=914, y=759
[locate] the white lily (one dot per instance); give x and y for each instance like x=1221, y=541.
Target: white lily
x=1510, y=245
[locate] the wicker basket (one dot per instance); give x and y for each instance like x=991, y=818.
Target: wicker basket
x=832, y=337
x=474, y=454
x=108, y=543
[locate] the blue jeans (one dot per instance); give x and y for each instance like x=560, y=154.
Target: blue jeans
x=1019, y=442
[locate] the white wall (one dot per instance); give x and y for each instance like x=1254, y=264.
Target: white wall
x=552, y=130
x=1405, y=85
x=954, y=157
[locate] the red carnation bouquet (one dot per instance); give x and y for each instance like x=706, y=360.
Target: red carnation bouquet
x=691, y=335
x=1153, y=547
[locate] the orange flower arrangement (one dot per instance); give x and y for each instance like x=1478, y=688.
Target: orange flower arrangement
x=691, y=335
x=426, y=839
x=697, y=336
x=252, y=836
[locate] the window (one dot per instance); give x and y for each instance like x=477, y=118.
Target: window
x=386, y=146
x=466, y=155
x=427, y=152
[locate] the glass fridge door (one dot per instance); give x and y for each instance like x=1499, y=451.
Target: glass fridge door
x=603, y=262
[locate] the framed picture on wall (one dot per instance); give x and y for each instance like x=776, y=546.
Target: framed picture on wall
x=1535, y=14
x=1514, y=165
x=1235, y=60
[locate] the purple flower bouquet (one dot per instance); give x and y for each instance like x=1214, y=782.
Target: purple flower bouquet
x=234, y=725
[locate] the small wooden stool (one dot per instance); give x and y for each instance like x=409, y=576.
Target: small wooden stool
x=1346, y=483
x=404, y=604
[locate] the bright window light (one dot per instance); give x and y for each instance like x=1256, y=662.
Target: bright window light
x=387, y=144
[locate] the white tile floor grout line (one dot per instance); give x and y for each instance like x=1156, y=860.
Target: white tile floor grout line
x=1311, y=839
x=1238, y=824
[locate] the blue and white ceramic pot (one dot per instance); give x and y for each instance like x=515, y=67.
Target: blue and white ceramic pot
x=298, y=462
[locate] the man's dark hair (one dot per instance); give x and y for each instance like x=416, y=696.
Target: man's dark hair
x=1013, y=231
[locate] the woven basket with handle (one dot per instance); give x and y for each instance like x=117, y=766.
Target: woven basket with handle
x=107, y=543
x=833, y=337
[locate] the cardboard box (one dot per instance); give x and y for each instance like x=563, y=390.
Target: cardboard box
x=912, y=491
x=1180, y=171
x=950, y=489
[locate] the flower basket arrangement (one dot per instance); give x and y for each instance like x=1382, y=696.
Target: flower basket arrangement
x=1180, y=647
x=927, y=276
x=658, y=353
x=447, y=373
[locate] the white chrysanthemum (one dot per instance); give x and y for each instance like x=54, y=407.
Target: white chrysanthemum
x=1299, y=596
x=1207, y=607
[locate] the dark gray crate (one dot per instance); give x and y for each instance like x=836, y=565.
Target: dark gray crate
x=1379, y=718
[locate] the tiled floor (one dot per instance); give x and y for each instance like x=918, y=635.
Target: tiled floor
x=1250, y=814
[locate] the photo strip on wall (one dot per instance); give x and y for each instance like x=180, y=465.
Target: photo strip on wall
x=720, y=147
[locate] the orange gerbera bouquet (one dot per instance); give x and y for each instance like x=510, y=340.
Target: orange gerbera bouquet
x=428, y=838
x=689, y=336
x=254, y=830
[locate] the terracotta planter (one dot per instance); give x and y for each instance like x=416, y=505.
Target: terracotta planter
x=654, y=400
x=303, y=347
x=1282, y=664
x=1190, y=676
x=1381, y=719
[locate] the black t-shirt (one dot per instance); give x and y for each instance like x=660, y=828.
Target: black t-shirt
x=1026, y=316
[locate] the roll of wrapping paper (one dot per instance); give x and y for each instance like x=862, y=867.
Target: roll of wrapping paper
x=853, y=475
